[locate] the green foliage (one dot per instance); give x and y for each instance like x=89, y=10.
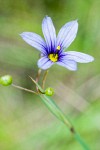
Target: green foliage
x=25, y=123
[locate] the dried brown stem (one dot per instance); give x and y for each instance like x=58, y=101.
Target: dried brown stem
x=38, y=75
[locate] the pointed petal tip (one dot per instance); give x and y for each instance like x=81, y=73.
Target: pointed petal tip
x=92, y=59
x=22, y=34
x=46, y=16
x=89, y=58
x=76, y=20
x=79, y=57
x=75, y=24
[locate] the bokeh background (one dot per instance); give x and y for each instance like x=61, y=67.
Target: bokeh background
x=25, y=123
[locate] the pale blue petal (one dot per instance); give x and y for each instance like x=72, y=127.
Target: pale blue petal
x=69, y=64
x=67, y=34
x=44, y=63
x=79, y=57
x=34, y=40
x=49, y=33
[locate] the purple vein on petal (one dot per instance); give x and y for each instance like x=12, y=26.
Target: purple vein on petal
x=79, y=57
x=49, y=33
x=67, y=34
x=34, y=40
x=69, y=64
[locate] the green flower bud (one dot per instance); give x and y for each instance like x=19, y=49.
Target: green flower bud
x=49, y=91
x=6, y=80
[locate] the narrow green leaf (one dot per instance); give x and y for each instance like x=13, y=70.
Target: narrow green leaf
x=48, y=101
x=55, y=110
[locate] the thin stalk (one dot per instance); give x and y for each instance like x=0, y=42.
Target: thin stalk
x=40, y=90
x=37, y=77
x=44, y=79
x=81, y=141
x=24, y=89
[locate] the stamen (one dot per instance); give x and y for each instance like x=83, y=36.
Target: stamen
x=58, y=47
x=53, y=57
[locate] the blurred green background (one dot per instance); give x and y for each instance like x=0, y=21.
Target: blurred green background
x=25, y=123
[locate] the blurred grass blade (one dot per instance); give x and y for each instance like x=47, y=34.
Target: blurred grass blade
x=52, y=106
x=48, y=101
x=55, y=110
x=81, y=141
x=60, y=115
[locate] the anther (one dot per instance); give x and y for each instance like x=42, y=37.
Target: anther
x=58, y=47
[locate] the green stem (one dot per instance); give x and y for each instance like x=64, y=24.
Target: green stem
x=55, y=110
x=24, y=89
x=61, y=116
x=81, y=141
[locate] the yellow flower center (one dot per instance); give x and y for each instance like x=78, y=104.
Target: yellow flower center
x=53, y=57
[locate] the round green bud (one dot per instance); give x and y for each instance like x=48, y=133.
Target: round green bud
x=49, y=91
x=6, y=80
